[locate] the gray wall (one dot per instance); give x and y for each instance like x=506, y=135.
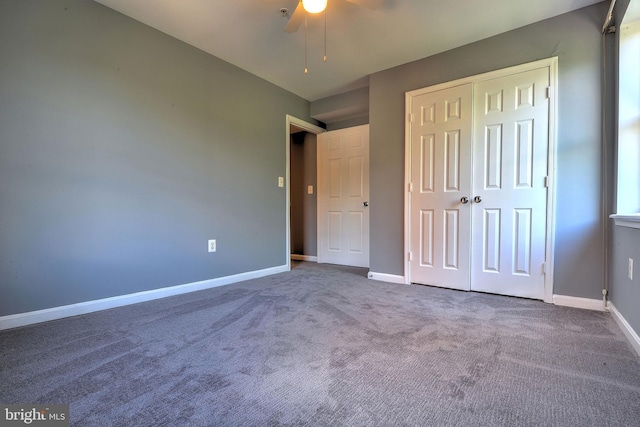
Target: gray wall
x=625, y=293
x=122, y=150
x=304, y=206
x=344, y=124
x=344, y=110
x=575, y=38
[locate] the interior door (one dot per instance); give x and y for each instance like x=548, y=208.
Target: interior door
x=479, y=185
x=343, y=196
x=510, y=184
x=441, y=184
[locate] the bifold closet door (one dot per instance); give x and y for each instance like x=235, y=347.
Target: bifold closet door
x=478, y=203
x=441, y=180
x=509, y=213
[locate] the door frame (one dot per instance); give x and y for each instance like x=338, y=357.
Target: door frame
x=308, y=127
x=552, y=65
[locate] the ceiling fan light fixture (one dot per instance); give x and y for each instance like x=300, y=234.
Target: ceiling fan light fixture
x=314, y=6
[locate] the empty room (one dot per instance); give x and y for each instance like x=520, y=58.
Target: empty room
x=261, y=212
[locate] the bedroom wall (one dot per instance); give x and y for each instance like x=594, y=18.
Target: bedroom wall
x=122, y=151
x=344, y=110
x=575, y=39
x=625, y=292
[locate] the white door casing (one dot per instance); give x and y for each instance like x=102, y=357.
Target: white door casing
x=511, y=133
x=441, y=177
x=512, y=151
x=343, y=196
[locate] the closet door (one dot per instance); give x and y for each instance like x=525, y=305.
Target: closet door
x=441, y=183
x=509, y=211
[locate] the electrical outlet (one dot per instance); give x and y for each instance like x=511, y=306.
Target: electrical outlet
x=630, y=268
x=212, y=245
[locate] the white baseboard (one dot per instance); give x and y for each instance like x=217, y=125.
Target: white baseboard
x=627, y=330
x=577, y=302
x=309, y=258
x=383, y=277
x=24, y=319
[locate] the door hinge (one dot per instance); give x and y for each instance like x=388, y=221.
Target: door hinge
x=410, y=256
x=549, y=92
x=410, y=187
x=410, y=118
x=544, y=268
x=546, y=181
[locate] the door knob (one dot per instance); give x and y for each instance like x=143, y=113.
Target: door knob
x=365, y=204
x=477, y=199
x=464, y=200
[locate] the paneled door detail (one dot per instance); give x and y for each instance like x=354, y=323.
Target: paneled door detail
x=343, y=196
x=478, y=183
x=441, y=178
x=509, y=184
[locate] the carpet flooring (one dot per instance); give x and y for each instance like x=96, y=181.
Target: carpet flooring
x=323, y=345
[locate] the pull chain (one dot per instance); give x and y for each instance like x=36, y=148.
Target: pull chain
x=325, y=35
x=306, y=70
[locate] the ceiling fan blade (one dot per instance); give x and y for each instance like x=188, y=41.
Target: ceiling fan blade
x=371, y=4
x=296, y=19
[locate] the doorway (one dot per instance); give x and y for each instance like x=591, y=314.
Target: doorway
x=304, y=217
x=295, y=126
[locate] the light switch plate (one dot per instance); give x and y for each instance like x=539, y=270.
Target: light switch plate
x=310, y=189
x=280, y=181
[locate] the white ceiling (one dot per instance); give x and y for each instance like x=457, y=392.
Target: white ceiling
x=360, y=41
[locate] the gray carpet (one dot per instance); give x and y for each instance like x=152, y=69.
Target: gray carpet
x=323, y=345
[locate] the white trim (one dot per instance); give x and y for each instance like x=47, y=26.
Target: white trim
x=383, y=277
x=308, y=258
x=552, y=65
x=542, y=63
x=578, y=302
x=631, y=221
x=29, y=318
x=407, y=183
x=311, y=128
x=551, y=177
x=627, y=330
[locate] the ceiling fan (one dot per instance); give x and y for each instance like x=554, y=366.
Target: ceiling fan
x=316, y=6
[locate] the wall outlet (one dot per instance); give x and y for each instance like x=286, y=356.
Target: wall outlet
x=212, y=245
x=630, y=268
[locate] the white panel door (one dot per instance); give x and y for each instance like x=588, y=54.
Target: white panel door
x=509, y=212
x=478, y=198
x=441, y=179
x=343, y=196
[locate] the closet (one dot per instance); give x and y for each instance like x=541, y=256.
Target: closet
x=479, y=169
